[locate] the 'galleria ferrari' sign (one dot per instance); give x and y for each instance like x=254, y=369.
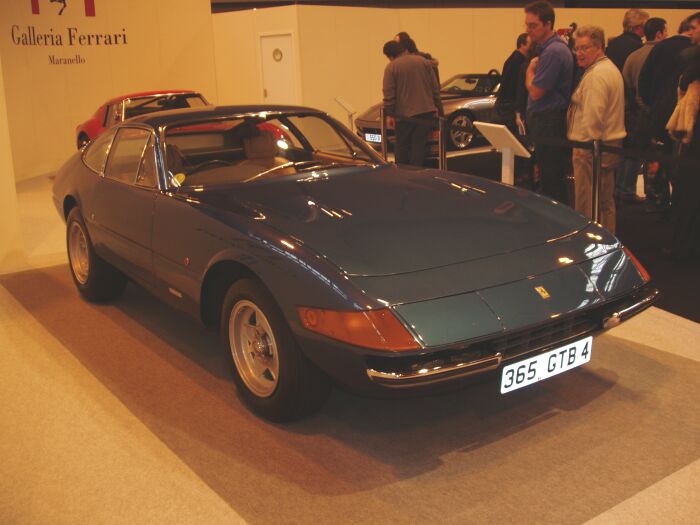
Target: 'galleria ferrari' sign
x=89, y=6
x=30, y=36
x=71, y=37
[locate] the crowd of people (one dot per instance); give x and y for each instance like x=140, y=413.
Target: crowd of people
x=640, y=92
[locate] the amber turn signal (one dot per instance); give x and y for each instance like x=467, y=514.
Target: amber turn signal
x=376, y=329
x=642, y=271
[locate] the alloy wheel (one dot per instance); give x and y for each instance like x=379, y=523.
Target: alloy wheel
x=254, y=348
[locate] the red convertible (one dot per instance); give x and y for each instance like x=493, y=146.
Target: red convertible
x=121, y=108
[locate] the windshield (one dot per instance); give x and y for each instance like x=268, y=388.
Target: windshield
x=250, y=148
x=150, y=104
x=471, y=85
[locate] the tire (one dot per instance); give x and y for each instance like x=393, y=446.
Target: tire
x=83, y=140
x=96, y=280
x=458, y=139
x=272, y=375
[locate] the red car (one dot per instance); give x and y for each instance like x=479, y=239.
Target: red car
x=121, y=108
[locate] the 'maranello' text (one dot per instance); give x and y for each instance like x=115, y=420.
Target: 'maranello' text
x=30, y=36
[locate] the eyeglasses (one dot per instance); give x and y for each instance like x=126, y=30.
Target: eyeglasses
x=583, y=49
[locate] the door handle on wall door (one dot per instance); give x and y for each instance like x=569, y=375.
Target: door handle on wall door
x=265, y=92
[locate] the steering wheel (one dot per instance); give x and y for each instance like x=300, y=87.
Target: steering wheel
x=208, y=164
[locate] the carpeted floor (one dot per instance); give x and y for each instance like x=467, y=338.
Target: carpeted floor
x=647, y=234
x=580, y=446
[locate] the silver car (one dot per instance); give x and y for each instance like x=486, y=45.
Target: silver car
x=465, y=98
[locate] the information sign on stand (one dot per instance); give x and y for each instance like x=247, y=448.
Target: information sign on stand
x=502, y=139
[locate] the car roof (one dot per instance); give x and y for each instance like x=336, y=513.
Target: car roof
x=151, y=93
x=178, y=116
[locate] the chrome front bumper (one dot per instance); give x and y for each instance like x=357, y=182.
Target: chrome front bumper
x=437, y=368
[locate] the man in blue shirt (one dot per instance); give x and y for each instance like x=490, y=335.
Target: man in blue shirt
x=548, y=81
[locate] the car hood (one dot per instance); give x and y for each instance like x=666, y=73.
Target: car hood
x=386, y=220
x=450, y=103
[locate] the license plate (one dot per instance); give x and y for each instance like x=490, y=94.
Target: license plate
x=546, y=365
x=373, y=137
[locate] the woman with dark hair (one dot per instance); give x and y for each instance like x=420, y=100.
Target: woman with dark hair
x=410, y=45
x=684, y=126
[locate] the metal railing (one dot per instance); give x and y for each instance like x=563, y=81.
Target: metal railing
x=596, y=146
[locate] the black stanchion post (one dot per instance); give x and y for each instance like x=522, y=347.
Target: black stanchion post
x=382, y=126
x=595, y=186
x=442, y=153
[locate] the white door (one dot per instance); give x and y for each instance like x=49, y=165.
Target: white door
x=278, y=69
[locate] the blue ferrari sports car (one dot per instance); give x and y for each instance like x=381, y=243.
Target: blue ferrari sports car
x=321, y=263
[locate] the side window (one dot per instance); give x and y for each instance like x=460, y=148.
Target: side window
x=95, y=154
x=113, y=114
x=148, y=174
x=127, y=152
x=320, y=135
x=106, y=110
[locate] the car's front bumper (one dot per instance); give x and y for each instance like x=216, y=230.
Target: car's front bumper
x=404, y=373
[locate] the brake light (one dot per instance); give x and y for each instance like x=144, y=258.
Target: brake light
x=642, y=271
x=376, y=329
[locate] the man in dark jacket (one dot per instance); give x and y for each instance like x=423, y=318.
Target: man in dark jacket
x=412, y=99
x=657, y=85
x=406, y=41
x=658, y=78
x=507, y=95
x=620, y=47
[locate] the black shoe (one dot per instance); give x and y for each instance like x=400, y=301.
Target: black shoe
x=631, y=198
x=656, y=207
x=670, y=255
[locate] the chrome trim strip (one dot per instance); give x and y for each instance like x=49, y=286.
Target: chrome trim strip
x=176, y=293
x=617, y=317
x=440, y=373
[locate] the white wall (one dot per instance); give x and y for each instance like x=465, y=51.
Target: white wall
x=10, y=243
x=169, y=46
x=237, y=50
x=340, y=48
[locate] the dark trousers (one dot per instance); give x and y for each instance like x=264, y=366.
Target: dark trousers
x=554, y=162
x=411, y=138
x=686, y=205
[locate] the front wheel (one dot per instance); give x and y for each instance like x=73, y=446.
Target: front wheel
x=271, y=373
x=460, y=138
x=95, y=279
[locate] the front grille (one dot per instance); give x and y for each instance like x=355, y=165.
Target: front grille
x=510, y=345
x=553, y=332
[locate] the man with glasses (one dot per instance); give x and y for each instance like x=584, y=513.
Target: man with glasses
x=597, y=112
x=548, y=81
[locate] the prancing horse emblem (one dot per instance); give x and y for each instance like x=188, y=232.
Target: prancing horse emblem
x=542, y=291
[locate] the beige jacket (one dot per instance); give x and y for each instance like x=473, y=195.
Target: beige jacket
x=682, y=122
x=597, y=109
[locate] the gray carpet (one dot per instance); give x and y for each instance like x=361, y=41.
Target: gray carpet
x=563, y=451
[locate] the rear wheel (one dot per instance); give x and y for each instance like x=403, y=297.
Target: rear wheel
x=458, y=138
x=95, y=279
x=272, y=374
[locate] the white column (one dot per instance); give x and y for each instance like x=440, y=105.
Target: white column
x=11, y=247
x=507, y=166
